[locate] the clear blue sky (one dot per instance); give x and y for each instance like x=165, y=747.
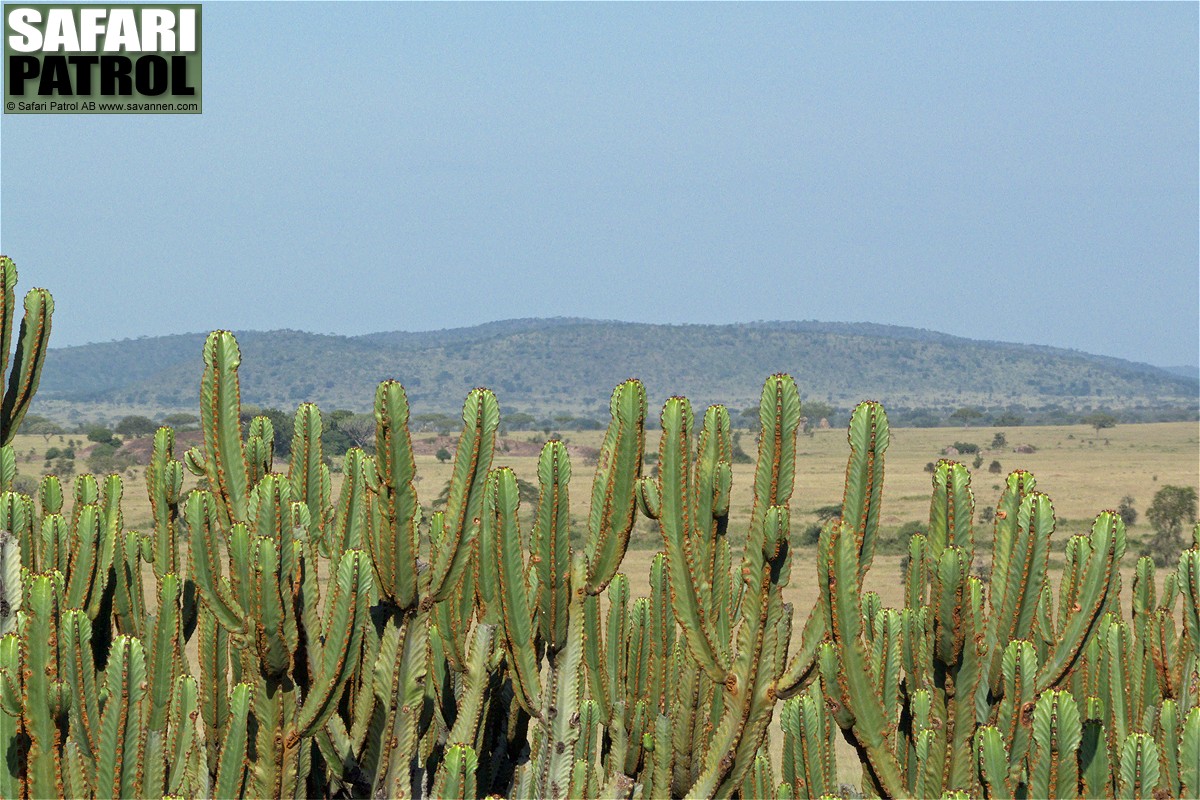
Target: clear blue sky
x=1021, y=172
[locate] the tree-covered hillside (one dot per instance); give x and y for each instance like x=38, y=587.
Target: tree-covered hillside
x=571, y=365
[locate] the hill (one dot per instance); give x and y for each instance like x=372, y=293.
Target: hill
x=1192, y=373
x=570, y=366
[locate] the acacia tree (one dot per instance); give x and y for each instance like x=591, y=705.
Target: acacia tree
x=136, y=425
x=360, y=428
x=966, y=415
x=1100, y=420
x=41, y=425
x=1171, y=509
x=1126, y=510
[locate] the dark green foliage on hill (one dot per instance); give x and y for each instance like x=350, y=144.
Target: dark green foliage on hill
x=547, y=368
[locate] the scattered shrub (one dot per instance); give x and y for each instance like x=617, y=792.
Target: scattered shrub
x=25, y=484
x=810, y=535
x=739, y=455
x=103, y=436
x=107, y=457
x=1126, y=510
x=135, y=425
x=827, y=513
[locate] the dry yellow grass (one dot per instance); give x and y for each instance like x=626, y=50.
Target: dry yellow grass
x=1083, y=473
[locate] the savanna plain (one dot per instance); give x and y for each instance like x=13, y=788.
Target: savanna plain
x=1083, y=470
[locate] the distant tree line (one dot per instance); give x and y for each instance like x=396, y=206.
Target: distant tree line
x=345, y=428
x=1015, y=416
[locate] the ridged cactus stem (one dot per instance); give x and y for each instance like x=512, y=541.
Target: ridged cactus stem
x=16, y=517
x=867, y=730
x=8, y=467
x=992, y=759
x=260, y=448
x=1107, y=545
x=233, y=762
x=213, y=659
x=220, y=422
x=346, y=615
x=120, y=737
x=551, y=547
x=10, y=582
x=501, y=528
x=75, y=640
x=212, y=586
x=42, y=691
x=472, y=460
x=475, y=679
x=614, y=488
x=765, y=666
x=11, y=715
x=394, y=540
x=688, y=583
x=1057, y=735
x=352, y=517
x=775, y=469
x=407, y=690
x=164, y=481
x=561, y=727
x=951, y=510
x=32, y=345
x=1019, y=561
x=165, y=659
x=869, y=436
x=712, y=479
x=456, y=779
x=308, y=473
x=1189, y=755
